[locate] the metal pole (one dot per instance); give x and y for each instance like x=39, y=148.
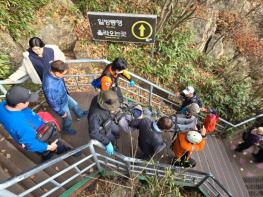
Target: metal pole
x=94, y=154
x=150, y=95
x=2, y=88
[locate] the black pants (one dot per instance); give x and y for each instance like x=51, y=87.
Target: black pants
x=184, y=162
x=60, y=149
x=114, y=133
x=259, y=155
x=244, y=145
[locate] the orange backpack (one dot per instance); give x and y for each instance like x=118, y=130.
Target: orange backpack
x=210, y=122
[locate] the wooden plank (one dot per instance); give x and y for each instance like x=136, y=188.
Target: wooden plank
x=213, y=159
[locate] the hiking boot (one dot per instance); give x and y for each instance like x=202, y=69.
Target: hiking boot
x=84, y=113
x=70, y=132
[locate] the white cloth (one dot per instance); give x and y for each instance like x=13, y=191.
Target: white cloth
x=27, y=67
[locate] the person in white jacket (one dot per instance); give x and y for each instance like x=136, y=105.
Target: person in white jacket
x=36, y=61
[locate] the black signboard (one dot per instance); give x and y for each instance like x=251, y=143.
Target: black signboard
x=117, y=27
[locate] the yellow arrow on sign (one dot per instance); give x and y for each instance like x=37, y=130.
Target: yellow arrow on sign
x=142, y=29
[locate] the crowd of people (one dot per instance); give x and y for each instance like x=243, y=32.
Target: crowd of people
x=45, y=65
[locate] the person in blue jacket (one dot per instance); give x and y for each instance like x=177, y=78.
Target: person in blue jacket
x=21, y=122
x=58, y=98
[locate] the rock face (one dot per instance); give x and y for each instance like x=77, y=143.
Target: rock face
x=203, y=29
x=11, y=48
x=55, y=24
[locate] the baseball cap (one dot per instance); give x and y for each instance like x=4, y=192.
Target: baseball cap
x=189, y=90
x=18, y=94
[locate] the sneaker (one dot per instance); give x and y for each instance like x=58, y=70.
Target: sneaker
x=70, y=132
x=84, y=113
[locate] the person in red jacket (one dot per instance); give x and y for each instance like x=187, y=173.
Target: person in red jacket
x=185, y=144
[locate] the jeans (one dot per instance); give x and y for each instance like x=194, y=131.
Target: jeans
x=71, y=105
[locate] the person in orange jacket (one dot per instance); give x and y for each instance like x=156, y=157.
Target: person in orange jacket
x=109, y=77
x=185, y=144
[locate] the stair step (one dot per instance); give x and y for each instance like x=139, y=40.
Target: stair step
x=17, y=188
x=254, y=186
x=16, y=162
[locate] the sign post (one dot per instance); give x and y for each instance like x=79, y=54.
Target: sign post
x=117, y=27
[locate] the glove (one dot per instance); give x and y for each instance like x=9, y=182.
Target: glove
x=132, y=83
x=109, y=149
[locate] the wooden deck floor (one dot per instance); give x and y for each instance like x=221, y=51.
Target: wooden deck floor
x=215, y=158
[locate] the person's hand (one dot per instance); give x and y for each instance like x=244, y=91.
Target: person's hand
x=203, y=131
x=132, y=83
x=109, y=149
x=53, y=146
x=177, y=94
x=203, y=109
x=64, y=115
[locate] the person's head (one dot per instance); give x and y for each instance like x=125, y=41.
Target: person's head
x=59, y=68
x=137, y=111
x=194, y=137
x=189, y=91
x=165, y=123
x=108, y=100
x=118, y=65
x=192, y=110
x=19, y=97
x=37, y=45
x=260, y=131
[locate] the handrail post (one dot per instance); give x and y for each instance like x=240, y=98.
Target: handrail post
x=94, y=154
x=2, y=88
x=150, y=95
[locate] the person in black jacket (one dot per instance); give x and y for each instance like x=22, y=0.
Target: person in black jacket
x=150, y=139
x=189, y=96
x=100, y=118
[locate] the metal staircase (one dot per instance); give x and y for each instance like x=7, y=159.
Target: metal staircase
x=145, y=93
x=125, y=166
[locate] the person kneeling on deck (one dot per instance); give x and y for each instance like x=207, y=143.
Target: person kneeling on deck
x=188, y=121
x=185, y=144
x=110, y=75
x=101, y=119
x=24, y=125
x=58, y=98
x=150, y=139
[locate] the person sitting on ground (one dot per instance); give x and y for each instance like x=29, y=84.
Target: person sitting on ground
x=189, y=96
x=150, y=139
x=253, y=137
x=36, y=60
x=187, y=121
x=109, y=77
x=102, y=126
x=22, y=123
x=184, y=144
x=58, y=98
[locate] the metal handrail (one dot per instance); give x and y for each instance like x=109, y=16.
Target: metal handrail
x=152, y=85
x=100, y=159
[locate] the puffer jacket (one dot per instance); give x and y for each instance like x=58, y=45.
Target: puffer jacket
x=181, y=146
x=187, y=101
x=27, y=67
x=55, y=92
x=149, y=140
x=96, y=118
